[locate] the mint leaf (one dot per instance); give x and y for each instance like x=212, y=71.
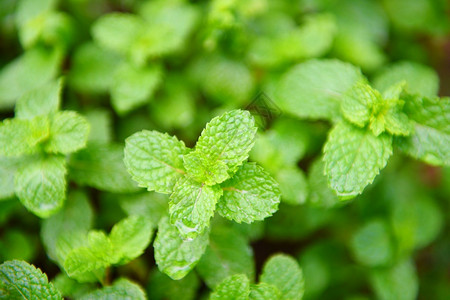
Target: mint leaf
x=264, y=291
x=69, y=132
x=320, y=193
x=228, y=138
x=357, y=102
x=41, y=185
x=20, y=280
x=33, y=69
x=101, y=167
x=19, y=137
x=77, y=215
x=120, y=289
x=203, y=170
x=353, y=157
x=228, y=253
x=101, y=126
x=174, y=256
x=236, y=287
x=151, y=205
x=293, y=185
x=132, y=87
x=8, y=168
x=371, y=244
x=162, y=287
x=250, y=195
x=420, y=79
x=130, y=237
x=312, y=89
x=42, y=101
x=155, y=160
x=71, y=288
x=191, y=206
x=284, y=272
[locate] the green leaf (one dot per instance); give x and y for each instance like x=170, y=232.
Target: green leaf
x=77, y=215
x=16, y=244
x=69, y=287
x=19, y=137
x=293, y=185
x=122, y=288
x=320, y=193
x=101, y=167
x=42, y=101
x=117, y=31
x=203, y=170
x=174, y=256
x=357, y=102
x=397, y=282
x=8, y=168
x=130, y=237
x=33, y=69
x=162, y=287
x=228, y=253
x=192, y=205
x=228, y=138
x=420, y=79
x=101, y=126
x=69, y=132
x=353, y=157
x=236, y=287
x=284, y=272
x=151, y=205
x=312, y=89
x=41, y=185
x=371, y=244
x=155, y=160
x=264, y=291
x=133, y=87
x=250, y=195
x=20, y=280
x=91, y=69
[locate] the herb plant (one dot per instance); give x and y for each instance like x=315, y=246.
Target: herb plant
x=224, y=149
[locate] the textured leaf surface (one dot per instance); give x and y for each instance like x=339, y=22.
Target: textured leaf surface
x=42, y=101
x=102, y=167
x=41, y=185
x=264, y=291
x=122, y=289
x=174, y=256
x=250, y=195
x=228, y=253
x=353, y=157
x=131, y=236
x=203, y=170
x=155, y=160
x=235, y=287
x=19, y=280
x=284, y=272
x=228, y=138
x=192, y=205
x=312, y=89
x=69, y=132
x=357, y=102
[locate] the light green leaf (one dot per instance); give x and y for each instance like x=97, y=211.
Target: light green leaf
x=131, y=236
x=264, y=291
x=371, y=244
x=101, y=167
x=122, y=289
x=19, y=137
x=41, y=185
x=69, y=132
x=397, y=122
x=398, y=282
x=202, y=170
x=174, y=256
x=357, y=102
x=320, y=193
x=133, y=87
x=353, y=157
x=70, y=288
x=236, y=287
x=20, y=280
x=151, y=205
x=293, y=185
x=228, y=253
x=8, y=168
x=101, y=126
x=155, y=160
x=250, y=195
x=284, y=272
x=42, y=101
x=312, y=89
x=77, y=215
x=117, y=31
x=192, y=205
x=33, y=69
x=228, y=138
x=91, y=69
x=420, y=79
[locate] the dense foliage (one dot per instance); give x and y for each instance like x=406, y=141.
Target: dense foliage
x=224, y=149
